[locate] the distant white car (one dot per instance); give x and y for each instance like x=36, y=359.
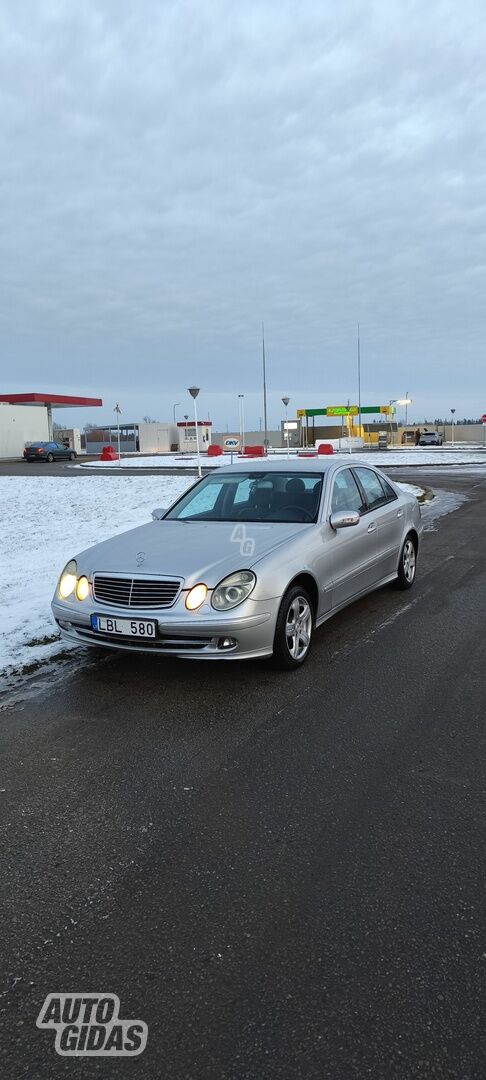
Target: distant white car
x=430, y=438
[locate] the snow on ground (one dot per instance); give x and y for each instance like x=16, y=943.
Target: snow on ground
x=414, y=456
x=408, y=456
x=411, y=489
x=45, y=521
x=443, y=503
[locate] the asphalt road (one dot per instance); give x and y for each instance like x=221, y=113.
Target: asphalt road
x=59, y=468
x=282, y=875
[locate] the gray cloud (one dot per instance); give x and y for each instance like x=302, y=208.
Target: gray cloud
x=173, y=173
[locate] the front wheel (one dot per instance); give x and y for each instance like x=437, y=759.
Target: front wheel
x=407, y=566
x=50, y=458
x=72, y=457
x=293, y=631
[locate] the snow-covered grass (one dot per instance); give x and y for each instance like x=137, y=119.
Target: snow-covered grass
x=408, y=456
x=45, y=521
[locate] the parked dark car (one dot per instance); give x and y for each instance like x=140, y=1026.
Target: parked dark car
x=49, y=451
x=430, y=438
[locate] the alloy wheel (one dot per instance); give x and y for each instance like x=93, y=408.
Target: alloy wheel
x=409, y=560
x=298, y=627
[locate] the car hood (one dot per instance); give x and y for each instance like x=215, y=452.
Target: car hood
x=194, y=551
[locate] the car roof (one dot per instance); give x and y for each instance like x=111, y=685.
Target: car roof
x=294, y=464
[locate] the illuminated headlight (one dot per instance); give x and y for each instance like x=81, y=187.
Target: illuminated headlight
x=196, y=596
x=82, y=588
x=232, y=590
x=67, y=580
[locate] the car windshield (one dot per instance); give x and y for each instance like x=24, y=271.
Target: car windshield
x=252, y=496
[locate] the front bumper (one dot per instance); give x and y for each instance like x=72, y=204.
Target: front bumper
x=198, y=635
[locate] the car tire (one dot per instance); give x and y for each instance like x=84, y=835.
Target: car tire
x=50, y=458
x=407, y=566
x=290, y=651
x=72, y=457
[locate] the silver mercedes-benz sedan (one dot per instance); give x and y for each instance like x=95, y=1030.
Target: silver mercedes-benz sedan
x=247, y=563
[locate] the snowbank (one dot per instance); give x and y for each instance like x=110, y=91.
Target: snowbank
x=409, y=456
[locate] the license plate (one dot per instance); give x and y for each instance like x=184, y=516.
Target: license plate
x=139, y=628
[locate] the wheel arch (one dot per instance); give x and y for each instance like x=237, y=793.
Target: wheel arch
x=412, y=532
x=308, y=582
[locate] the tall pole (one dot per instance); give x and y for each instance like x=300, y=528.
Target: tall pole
x=406, y=408
x=174, y=407
x=118, y=411
x=265, y=422
x=359, y=381
x=241, y=413
x=452, y=425
x=194, y=390
x=197, y=440
x=285, y=401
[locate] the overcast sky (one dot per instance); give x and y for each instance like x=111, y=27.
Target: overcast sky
x=173, y=173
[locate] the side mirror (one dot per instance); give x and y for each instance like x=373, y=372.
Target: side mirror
x=159, y=512
x=344, y=519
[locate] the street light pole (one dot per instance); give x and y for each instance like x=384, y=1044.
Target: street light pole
x=286, y=403
x=241, y=398
x=265, y=422
x=359, y=382
x=398, y=401
x=118, y=412
x=174, y=407
x=194, y=390
x=452, y=426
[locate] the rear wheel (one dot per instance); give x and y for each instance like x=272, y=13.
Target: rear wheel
x=50, y=458
x=72, y=457
x=293, y=631
x=407, y=566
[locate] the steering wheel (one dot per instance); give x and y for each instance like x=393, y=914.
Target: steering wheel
x=289, y=509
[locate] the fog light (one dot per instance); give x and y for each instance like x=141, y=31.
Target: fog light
x=82, y=588
x=226, y=643
x=196, y=596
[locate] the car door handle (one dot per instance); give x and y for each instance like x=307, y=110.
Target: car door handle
x=372, y=526
x=399, y=513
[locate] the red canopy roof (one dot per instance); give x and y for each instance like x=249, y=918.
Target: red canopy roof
x=190, y=423
x=59, y=401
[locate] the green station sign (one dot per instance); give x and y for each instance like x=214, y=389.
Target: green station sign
x=347, y=410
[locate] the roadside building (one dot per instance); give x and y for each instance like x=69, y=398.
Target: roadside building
x=154, y=438
x=187, y=435
x=19, y=425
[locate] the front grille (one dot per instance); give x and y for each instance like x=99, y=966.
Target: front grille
x=135, y=592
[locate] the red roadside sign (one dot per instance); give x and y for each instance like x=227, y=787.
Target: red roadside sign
x=483, y=418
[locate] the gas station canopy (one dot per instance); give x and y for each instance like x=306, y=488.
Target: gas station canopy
x=56, y=401
x=346, y=410
x=50, y=402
